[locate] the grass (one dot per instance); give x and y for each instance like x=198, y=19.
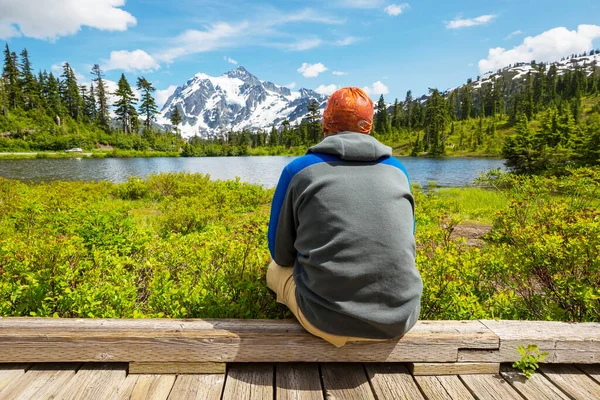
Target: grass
x=474, y=205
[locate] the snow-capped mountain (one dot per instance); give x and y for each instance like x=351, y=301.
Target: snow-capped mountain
x=235, y=100
x=588, y=63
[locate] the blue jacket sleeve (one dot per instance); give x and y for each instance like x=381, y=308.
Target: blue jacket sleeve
x=282, y=226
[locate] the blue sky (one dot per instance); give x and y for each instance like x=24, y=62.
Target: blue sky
x=386, y=46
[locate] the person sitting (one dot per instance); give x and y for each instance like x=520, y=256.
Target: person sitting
x=341, y=232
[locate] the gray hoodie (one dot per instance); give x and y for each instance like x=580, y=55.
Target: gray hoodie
x=343, y=217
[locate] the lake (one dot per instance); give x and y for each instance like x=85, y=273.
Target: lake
x=263, y=170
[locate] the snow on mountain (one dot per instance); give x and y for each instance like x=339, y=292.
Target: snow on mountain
x=235, y=100
x=520, y=71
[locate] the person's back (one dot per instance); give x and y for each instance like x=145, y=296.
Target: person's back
x=343, y=217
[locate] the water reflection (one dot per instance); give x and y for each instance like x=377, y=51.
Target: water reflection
x=262, y=170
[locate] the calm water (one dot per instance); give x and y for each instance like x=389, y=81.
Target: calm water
x=263, y=170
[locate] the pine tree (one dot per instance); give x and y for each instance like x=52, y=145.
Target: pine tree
x=52, y=93
x=29, y=84
x=125, y=104
x=382, y=122
x=313, y=120
x=11, y=78
x=101, y=97
x=70, y=92
x=148, y=107
x=274, y=137
x=408, y=106
x=176, y=118
x=436, y=119
x=397, y=115
x=466, y=103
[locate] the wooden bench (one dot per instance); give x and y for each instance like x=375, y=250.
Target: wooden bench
x=195, y=345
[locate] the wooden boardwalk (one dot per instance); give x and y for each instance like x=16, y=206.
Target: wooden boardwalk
x=292, y=381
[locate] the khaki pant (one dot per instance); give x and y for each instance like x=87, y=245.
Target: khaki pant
x=281, y=281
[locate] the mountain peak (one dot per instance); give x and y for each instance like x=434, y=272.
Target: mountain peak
x=243, y=74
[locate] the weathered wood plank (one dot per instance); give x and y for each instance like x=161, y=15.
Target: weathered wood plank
x=152, y=387
x=536, y=387
x=177, y=368
x=392, y=381
x=124, y=390
x=198, y=387
x=10, y=372
x=490, y=387
x=592, y=370
x=448, y=387
x=572, y=381
x=249, y=381
x=298, y=381
x=345, y=381
x=141, y=340
x=453, y=368
x=564, y=342
x=39, y=382
x=455, y=387
x=93, y=381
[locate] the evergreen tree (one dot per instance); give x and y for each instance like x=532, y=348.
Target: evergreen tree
x=101, y=97
x=382, y=122
x=396, y=115
x=29, y=84
x=314, y=129
x=148, y=107
x=274, y=137
x=466, y=103
x=125, y=104
x=11, y=78
x=52, y=93
x=176, y=118
x=408, y=105
x=70, y=92
x=436, y=119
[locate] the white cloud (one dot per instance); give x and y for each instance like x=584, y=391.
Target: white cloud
x=311, y=70
x=396, y=9
x=301, y=45
x=221, y=35
x=51, y=19
x=346, y=41
x=130, y=61
x=378, y=88
x=465, y=23
x=339, y=73
x=230, y=60
x=161, y=96
x=361, y=3
x=513, y=34
x=547, y=46
x=290, y=85
x=326, y=89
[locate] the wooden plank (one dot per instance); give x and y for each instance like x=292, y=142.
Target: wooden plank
x=490, y=387
x=124, y=390
x=453, y=368
x=593, y=371
x=153, y=387
x=448, y=387
x=455, y=387
x=572, y=381
x=151, y=340
x=198, y=387
x=93, y=381
x=536, y=387
x=40, y=382
x=392, y=381
x=565, y=342
x=249, y=381
x=10, y=372
x=345, y=381
x=177, y=368
x=298, y=381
